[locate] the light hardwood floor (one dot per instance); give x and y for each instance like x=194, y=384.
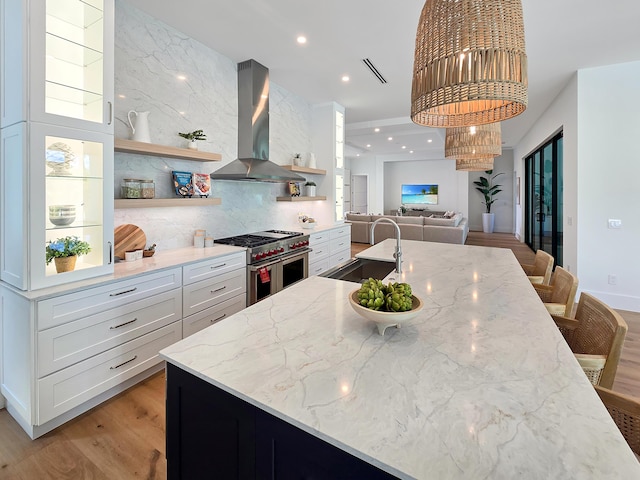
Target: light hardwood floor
x=123, y=438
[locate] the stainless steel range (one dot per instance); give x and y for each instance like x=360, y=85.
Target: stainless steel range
x=276, y=259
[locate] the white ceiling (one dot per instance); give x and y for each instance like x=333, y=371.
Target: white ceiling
x=562, y=36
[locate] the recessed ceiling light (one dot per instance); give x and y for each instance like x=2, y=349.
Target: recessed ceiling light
x=404, y=146
x=410, y=151
x=345, y=78
x=376, y=129
x=368, y=145
x=357, y=154
x=429, y=141
x=390, y=138
x=181, y=113
x=181, y=77
x=301, y=39
x=121, y=96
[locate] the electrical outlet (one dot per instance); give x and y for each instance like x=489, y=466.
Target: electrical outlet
x=613, y=279
x=615, y=223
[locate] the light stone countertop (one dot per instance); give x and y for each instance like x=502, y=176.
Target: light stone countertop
x=161, y=260
x=480, y=385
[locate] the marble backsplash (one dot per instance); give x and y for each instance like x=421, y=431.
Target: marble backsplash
x=187, y=86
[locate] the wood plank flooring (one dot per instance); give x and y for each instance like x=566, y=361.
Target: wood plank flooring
x=123, y=438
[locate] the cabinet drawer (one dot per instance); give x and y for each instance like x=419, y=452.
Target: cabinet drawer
x=66, y=308
x=201, y=295
x=319, y=252
x=339, y=244
x=211, y=315
x=316, y=238
x=211, y=268
x=316, y=268
x=75, y=341
x=339, y=257
x=68, y=388
x=340, y=232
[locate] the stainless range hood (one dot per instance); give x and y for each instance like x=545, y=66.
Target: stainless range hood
x=253, y=162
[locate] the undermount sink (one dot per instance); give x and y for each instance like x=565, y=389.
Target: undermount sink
x=360, y=269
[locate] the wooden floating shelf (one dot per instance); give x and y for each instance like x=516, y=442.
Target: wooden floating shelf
x=165, y=202
x=301, y=199
x=142, y=148
x=295, y=168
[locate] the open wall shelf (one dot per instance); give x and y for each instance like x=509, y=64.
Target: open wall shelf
x=301, y=199
x=165, y=202
x=142, y=148
x=295, y=168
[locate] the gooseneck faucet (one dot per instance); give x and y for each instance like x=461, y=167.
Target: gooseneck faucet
x=398, y=252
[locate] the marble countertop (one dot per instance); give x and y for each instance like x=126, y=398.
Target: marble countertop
x=479, y=385
x=161, y=260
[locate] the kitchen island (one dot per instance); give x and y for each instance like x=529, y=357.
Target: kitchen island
x=479, y=385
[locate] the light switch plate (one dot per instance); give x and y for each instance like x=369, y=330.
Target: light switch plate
x=615, y=223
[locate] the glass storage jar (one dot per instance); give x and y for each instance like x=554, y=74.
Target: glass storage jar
x=147, y=189
x=131, y=188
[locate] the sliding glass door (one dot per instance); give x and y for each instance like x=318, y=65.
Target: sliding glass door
x=543, y=198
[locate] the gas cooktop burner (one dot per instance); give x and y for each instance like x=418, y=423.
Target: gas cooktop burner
x=258, y=238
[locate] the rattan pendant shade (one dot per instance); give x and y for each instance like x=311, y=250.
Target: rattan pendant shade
x=470, y=65
x=467, y=143
x=474, y=164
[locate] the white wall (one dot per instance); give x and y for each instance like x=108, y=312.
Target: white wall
x=608, y=182
x=452, y=193
x=149, y=56
x=598, y=113
x=505, y=200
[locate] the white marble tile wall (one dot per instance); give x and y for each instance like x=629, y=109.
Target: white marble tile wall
x=149, y=58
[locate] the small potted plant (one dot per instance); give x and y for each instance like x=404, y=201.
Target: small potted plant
x=488, y=190
x=193, y=137
x=65, y=251
x=310, y=189
x=297, y=160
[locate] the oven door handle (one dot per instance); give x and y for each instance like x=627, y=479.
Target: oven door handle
x=255, y=268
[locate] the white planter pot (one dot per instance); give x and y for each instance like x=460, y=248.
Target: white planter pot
x=487, y=222
x=310, y=190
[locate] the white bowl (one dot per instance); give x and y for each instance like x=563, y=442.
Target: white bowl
x=61, y=221
x=385, y=319
x=308, y=225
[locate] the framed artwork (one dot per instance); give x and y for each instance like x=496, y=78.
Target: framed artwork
x=419, y=194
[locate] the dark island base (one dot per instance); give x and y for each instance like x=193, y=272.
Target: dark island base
x=214, y=435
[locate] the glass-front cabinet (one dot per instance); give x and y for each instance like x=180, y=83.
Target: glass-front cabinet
x=56, y=156
x=76, y=86
x=339, y=165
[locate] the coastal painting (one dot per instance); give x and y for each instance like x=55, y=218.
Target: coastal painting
x=420, y=194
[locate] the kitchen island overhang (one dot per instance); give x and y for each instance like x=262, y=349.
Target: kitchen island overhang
x=480, y=384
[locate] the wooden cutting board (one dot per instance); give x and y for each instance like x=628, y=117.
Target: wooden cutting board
x=128, y=237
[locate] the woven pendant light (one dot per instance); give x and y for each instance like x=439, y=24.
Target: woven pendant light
x=470, y=65
x=474, y=164
x=480, y=141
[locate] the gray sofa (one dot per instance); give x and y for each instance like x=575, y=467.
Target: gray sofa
x=433, y=228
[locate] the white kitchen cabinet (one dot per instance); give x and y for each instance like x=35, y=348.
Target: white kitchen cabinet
x=329, y=248
x=56, y=136
x=65, y=353
x=213, y=290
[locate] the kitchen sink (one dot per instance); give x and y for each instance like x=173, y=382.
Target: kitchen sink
x=360, y=269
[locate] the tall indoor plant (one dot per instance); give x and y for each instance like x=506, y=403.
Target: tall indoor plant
x=489, y=190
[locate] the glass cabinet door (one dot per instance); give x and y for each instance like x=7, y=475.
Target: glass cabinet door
x=72, y=199
x=76, y=65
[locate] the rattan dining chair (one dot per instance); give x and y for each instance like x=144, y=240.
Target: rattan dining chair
x=625, y=411
x=596, y=336
x=540, y=271
x=560, y=295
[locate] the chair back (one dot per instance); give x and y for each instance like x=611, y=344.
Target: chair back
x=600, y=331
x=625, y=411
x=565, y=286
x=543, y=266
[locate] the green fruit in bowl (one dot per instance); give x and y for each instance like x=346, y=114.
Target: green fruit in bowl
x=394, y=297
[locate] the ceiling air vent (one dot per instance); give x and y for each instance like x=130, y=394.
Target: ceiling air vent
x=374, y=70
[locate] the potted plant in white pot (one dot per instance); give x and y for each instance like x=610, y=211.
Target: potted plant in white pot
x=310, y=189
x=489, y=190
x=193, y=137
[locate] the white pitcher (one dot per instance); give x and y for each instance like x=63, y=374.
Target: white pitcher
x=140, y=132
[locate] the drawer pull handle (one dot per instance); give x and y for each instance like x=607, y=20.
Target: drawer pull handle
x=122, y=293
x=123, y=324
x=123, y=363
x=341, y=244
x=218, y=289
x=219, y=318
x=218, y=266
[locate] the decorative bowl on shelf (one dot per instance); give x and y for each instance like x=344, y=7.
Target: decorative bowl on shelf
x=61, y=215
x=383, y=319
x=308, y=225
